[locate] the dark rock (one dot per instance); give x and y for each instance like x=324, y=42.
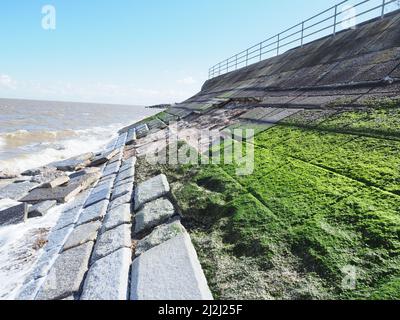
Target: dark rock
x=41, y=209
x=104, y=157
x=38, y=171
x=56, y=182
x=12, y=212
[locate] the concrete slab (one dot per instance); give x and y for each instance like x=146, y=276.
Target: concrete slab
x=122, y=189
x=170, y=271
x=150, y=190
x=12, y=212
x=16, y=191
x=41, y=209
x=93, y=213
x=74, y=163
x=67, y=273
x=160, y=235
x=108, y=278
x=153, y=214
x=82, y=234
x=111, y=241
x=116, y=217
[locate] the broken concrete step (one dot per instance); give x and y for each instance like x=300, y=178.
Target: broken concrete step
x=74, y=163
x=104, y=157
x=12, y=212
x=159, y=235
x=153, y=214
x=111, y=241
x=41, y=209
x=16, y=191
x=94, y=212
x=108, y=277
x=116, y=217
x=131, y=138
x=170, y=271
x=67, y=274
x=82, y=234
x=56, y=182
x=150, y=190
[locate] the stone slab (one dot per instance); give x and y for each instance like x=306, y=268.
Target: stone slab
x=41, y=209
x=111, y=241
x=112, y=168
x=150, y=190
x=131, y=162
x=121, y=190
x=125, y=174
x=131, y=138
x=82, y=234
x=121, y=140
x=16, y=191
x=44, y=263
x=94, y=212
x=57, y=238
x=104, y=157
x=159, y=235
x=29, y=290
x=59, y=194
x=98, y=195
x=12, y=212
x=108, y=278
x=59, y=181
x=74, y=163
x=116, y=217
x=129, y=180
x=127, y=198
x=153, y=214
x=67, y=274
x=68, y=218
x=170, y=271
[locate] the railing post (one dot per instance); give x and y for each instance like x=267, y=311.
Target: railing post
x=236, y=63
x=277, y=45
x=260, y=51
x=219, y=69
x=302, y=34
x=335, y=21
x=227, y=65
x=247, y=57
x=383, y=9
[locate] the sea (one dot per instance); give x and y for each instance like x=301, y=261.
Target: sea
x=35, y=133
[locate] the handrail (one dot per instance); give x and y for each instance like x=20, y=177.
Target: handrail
x=275, y=43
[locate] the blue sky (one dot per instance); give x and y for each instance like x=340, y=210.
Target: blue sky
x=131, y=51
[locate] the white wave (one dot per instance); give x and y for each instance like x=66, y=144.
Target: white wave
x=87, y=140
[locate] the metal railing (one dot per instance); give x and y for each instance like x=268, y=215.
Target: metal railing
x=342, y=16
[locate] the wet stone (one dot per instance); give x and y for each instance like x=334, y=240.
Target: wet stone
x=150, y=190
x=153, y=214
x=82, y=234
x=108, y=278
x=94, y=212
x=44, y=264
x=41, y=209
x=67, y=274
x=29, y=291
x=112, y=241
x=116, y=217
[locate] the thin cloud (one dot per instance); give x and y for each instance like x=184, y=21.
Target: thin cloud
x=187, y=81
x=7, y=82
